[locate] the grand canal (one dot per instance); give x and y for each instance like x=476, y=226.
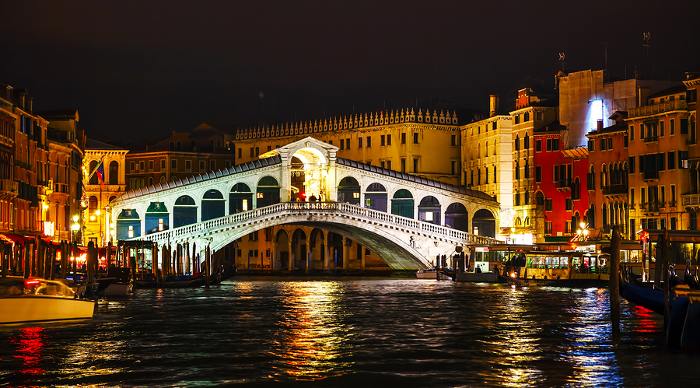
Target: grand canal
x=349, y=332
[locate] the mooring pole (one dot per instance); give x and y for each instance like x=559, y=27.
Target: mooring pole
x=614, y=282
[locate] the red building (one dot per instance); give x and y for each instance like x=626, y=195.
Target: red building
x=560, y=179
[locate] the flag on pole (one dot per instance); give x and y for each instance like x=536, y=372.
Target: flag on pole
x=100, y=173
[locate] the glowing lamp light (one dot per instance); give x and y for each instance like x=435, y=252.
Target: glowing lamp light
x=92, y=217
x=98, y=212
x=76, y=218
x=75, y=227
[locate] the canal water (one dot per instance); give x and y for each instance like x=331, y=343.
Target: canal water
x=373, y=332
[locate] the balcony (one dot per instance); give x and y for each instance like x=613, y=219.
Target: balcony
x=690, y=200
x=649, y=139
x=563, y=184
x=8, y=188
x=615, y=189
x=650, y=110
x=649, y=207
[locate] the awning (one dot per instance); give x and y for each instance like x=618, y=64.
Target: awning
x=12, y=238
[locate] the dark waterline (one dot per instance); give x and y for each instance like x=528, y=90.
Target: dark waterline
x=349, y=332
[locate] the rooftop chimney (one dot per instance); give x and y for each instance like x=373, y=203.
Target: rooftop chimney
x=493, y=105
x=600, y=124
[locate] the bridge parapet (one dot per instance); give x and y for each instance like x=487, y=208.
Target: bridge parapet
x=310, y=208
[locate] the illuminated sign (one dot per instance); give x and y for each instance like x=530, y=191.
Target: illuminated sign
x=49, y=229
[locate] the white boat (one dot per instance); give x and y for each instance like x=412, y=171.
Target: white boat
x=36, y=300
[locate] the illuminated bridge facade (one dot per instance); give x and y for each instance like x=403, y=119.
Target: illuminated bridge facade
x=406, y=220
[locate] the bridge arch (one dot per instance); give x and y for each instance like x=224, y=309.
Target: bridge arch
x=156, y=218
x=240, y=198
x=349, y=190
x=128, y=224
x=376, y=197
x=213, y=204
x=484, y=223
x=268, y=192
x=184, y=211
x=299, y=250
x=402, y=203
x=429, y=210
x=317, y=248
x=457, y=217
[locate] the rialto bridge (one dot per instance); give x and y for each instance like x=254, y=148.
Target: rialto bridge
x=406, y=220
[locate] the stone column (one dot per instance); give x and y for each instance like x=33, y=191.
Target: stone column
x=362, y=258
x=346, y=252
x=309, y=250
x=326, y=251
x=290, y=263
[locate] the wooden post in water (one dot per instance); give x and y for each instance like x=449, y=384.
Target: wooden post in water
x=91, y=262
x=207, y=263
x=664, y=260
x=614, y=282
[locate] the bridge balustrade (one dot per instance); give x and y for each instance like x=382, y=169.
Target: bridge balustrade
x=320, y=207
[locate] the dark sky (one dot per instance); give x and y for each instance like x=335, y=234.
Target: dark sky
x=138, y=69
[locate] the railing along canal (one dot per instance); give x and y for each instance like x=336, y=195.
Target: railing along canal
x=320, y=207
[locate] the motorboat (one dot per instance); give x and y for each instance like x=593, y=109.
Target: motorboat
x=36, y=300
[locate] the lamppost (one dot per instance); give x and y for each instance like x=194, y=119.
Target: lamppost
x=582, y=231
x=75, y=227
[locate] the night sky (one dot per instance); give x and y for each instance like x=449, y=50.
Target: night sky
x=138, y=69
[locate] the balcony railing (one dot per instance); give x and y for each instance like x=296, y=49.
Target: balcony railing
x=649, y=110
x=690, y=199
x=9, y=187
x=615, y=189
x=563, y=183
x=649, y=207
x=649, y=139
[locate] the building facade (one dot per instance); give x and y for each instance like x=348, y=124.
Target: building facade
x=25, y=210
x=660, y=134
x=422, y=143
x=99, y=195
x=65, y=183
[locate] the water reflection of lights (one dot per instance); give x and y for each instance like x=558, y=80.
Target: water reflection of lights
x=30, y=344
x=588, y=340
x=312, y=343
x=516, y=345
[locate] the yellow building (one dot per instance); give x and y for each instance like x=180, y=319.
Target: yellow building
x=487, y=160
x=95, y=217
x=530, y=114
x=421, y=143
x=659, y=135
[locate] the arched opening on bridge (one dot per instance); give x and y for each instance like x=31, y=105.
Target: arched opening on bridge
x=240, y=199
x=335, y=245
x=184, y=211
x=308, y=169
x=281, y=260
x=156, y=218
x=349, y=191
x=376, y=197
x=484, y=223
x=317, y=249
x=128, y=224
x=456, y=217
x=267, y=192
x=212, y=205
x=298, y=180
x=402, y=203
x=299, y=250
x=429, y=210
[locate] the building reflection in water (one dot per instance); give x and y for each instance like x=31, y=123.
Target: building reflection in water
x=311, y=342
x=30, y=345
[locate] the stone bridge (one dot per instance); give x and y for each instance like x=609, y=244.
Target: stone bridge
x=407, y=220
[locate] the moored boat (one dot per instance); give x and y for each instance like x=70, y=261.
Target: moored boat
x=36, y=300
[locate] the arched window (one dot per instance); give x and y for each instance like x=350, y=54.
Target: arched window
x=92, y=204
x=517, y=170
x=114, y=172
x=526, y=142
x=517, y=143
